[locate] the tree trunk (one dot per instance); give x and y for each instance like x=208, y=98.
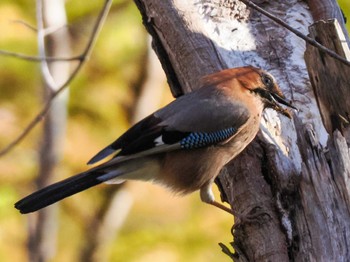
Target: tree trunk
x=43, y=225
x=288, y=189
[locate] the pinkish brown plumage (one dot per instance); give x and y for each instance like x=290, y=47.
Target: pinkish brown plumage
x=184, y=145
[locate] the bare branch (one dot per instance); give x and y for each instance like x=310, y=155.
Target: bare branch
x=309, y=40
x=26, y=131
x=39, y=59
x=48, y=78
x=46, y=31
x=51, y=30
x=33, y=28
x=85, y=55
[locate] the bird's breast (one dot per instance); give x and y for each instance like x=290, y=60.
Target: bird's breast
x=245, y=135
x=185, y=171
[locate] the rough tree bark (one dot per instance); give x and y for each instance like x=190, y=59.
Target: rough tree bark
x=287, y=188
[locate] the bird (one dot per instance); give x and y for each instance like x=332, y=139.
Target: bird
x=184, y=145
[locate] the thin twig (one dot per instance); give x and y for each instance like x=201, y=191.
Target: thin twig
x=38, y=58
x=85, y=55
x=52, y=30
x=88, y=49
x=308, y=39
x=25, y=24
x=46, y=30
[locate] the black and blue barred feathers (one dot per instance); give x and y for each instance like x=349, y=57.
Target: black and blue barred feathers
x=203, y=139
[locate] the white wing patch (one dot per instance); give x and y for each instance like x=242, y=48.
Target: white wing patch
x=159, y=141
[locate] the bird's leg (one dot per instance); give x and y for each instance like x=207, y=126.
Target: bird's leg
x=207, y=196
x=221, y=206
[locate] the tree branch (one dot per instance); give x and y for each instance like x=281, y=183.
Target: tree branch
x=48, y=78
x=39, y=59
x=85, y=55
x=307, y=39
x=25, y=24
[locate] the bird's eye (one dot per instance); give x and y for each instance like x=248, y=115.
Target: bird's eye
x=267, y=81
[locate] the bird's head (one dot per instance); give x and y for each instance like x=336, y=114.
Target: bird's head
x=270, y=93
x=252, y=79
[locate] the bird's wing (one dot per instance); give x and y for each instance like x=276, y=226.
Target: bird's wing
x=192, y=121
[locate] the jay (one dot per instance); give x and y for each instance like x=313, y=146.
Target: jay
x=184, y=145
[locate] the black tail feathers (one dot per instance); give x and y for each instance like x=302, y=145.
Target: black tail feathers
x=55, y=192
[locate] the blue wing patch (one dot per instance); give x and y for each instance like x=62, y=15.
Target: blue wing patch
x=203, y=139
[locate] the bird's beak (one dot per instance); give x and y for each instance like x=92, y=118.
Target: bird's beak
x=276, y=99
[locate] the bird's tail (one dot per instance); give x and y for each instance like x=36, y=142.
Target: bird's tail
x=55, y=192
x=114, y=171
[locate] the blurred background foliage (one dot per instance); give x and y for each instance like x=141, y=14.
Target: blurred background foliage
x=345, y=6
x=160, y=227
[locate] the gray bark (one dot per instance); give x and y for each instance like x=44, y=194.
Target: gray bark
x=286, y=186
